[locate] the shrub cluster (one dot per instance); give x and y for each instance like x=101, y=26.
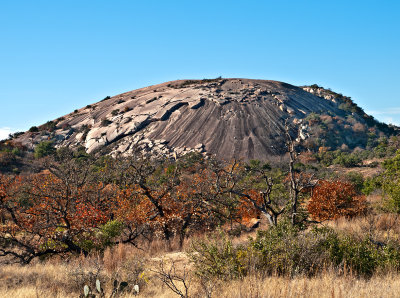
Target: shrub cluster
x=338, y=157
x=287, y=251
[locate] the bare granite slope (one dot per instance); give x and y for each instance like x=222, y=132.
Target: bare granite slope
x=229, y=118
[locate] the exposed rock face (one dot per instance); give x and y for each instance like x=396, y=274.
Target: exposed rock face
x=321, y=92
x=230, y=118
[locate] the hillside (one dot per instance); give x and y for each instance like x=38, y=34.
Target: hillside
x=228, y=118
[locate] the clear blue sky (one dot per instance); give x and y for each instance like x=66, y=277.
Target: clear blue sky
x=56, y=56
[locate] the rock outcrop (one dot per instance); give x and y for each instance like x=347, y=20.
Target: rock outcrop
x=229, y=118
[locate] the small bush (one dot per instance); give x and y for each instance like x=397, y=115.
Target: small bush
x=115, y=112
x=391, y=182
x=105, y=122
x=44, y=149
x=49, y=126
x=362, y=256
x=356, y=179
x=16, y=151
x=109, y=231
x=348, y=160
x=84, y=129
x=283, y=250
x=371, y=184
x=217, y=257
x=15, y=135
x=33, y=129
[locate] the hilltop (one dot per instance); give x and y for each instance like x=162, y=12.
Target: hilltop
x=227, y=118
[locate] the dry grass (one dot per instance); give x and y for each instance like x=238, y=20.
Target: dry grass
x=54, y=280
x=34, y=281
x=66, y=278
x=327, y=285
x=380, y=227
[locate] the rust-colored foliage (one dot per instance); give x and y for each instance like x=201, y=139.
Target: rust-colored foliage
x=71, y=206
x=333, y=199
x=56, y=205
x=169, y=208
x=246, y=209
x=43, y=215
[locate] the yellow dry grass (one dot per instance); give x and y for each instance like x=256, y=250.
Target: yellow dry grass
x=48, y=280
x=327, y=285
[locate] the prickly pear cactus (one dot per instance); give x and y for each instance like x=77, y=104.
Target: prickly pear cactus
x=98, y=286
x=86, y=291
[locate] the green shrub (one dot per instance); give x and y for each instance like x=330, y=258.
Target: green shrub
x=325, y=157
x=285, y=250
x=217, y=257
x=391, y=182
x=347, y=160
x=109, y=231
x=338, y=157
x=49, y=126
x=277, y=251
x=361, y=256
x=16, y=151
x=356, y=179
x=371, y=184
x=44, y=149
x=33, y=129
x=15, y=134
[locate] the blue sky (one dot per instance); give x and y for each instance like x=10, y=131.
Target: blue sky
x=56, y=56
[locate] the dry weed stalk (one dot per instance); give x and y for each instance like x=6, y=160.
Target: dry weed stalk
x=173, y=280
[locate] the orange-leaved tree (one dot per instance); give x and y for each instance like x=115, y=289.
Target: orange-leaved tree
x=168, y=197
x=333, y=199
x=43, y=215
x=57, y=211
